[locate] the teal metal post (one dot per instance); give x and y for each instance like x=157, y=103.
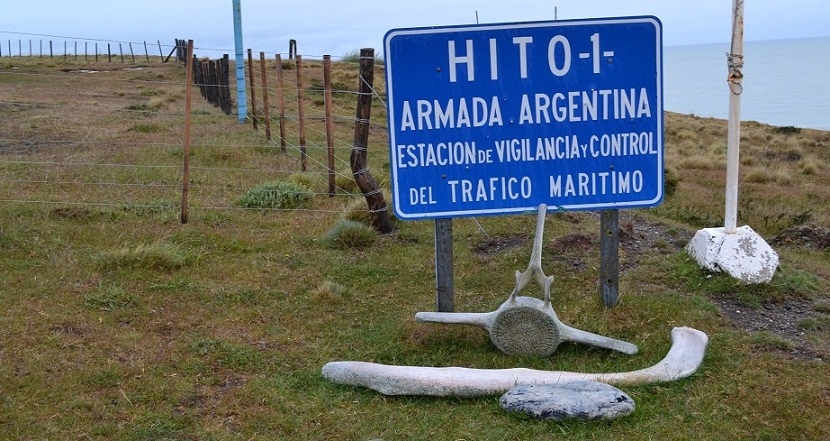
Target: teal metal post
x=241, y=102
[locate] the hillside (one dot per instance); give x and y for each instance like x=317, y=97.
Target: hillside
x=119, y=322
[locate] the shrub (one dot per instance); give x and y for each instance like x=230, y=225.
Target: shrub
x=349, y=234
x=346, y=184
x=307, y=180
x=110, y=297
x=786, y=130
x=157, y=256
x=277, y=195
x=358, y=211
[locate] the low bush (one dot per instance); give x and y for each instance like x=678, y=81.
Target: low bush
x=349, y=234
x=277, y=195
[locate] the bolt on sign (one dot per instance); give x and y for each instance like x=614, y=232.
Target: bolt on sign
x=499, y=118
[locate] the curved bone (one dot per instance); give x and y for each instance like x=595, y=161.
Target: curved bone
x=534, y=267
x=683, y=359
x=485, y=320
x=533, y=272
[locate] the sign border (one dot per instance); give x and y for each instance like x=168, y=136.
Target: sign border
x=391, y=120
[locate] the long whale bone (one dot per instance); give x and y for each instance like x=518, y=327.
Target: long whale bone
x=683, y=359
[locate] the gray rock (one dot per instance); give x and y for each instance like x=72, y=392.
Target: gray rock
x=584, y=400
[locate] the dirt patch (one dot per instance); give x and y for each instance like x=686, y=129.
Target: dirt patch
x=782, y=319
x=641, y=237
x=71, y=212
x=808, y=236
x=571, y=242
x=496, y=245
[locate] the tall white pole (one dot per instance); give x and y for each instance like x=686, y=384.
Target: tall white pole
x=735, y=61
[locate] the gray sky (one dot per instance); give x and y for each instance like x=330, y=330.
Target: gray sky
x=337, y=27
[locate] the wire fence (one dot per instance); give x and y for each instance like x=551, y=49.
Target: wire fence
x=76, y=132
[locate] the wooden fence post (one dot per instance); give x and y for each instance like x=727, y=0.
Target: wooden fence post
x=265, y=109
x=146, y=54
x=211, y=83
x=225, y=84
x=281, y=102
x=198, y=77
x=132, y=54
x=188, y=98
x=378, y=211
x=253, y=89
x=329, y=122
x=121, y=51
x=109, y=52
x=301, y=112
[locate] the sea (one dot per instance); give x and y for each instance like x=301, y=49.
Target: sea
x=786, y=82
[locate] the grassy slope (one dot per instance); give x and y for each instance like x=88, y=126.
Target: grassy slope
x=117, y=322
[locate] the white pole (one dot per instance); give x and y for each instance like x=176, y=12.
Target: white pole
x=735, y=61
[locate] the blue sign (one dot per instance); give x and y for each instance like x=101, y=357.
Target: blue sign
x=499, y=118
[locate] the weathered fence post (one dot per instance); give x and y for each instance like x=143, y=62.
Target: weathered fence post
x=188, y=98
x=301, y=112
x=109, y=52
x=121, y=51
x=329, y=122
x=225, y=83
x=265, y=109
x=253, y=89
x=211, y=80
x=146, y=53
x=281, y=102
x=199, y=78
x=378, y=210
x=131, y=51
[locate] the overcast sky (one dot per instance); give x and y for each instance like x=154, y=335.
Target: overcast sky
x=337, y=27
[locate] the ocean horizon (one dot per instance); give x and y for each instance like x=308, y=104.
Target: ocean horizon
x=785, y=81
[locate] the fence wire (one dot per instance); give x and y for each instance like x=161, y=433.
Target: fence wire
x=109, y=134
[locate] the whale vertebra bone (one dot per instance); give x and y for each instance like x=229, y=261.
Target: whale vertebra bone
x=526, y=325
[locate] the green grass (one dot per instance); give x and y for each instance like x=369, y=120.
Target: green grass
x=277, y=195
x=119, y=322
x=155, y=256
x=349, y=234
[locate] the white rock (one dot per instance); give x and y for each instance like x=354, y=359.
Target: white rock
x=744, y=255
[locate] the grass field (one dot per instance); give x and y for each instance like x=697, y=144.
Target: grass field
x=119, y=322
